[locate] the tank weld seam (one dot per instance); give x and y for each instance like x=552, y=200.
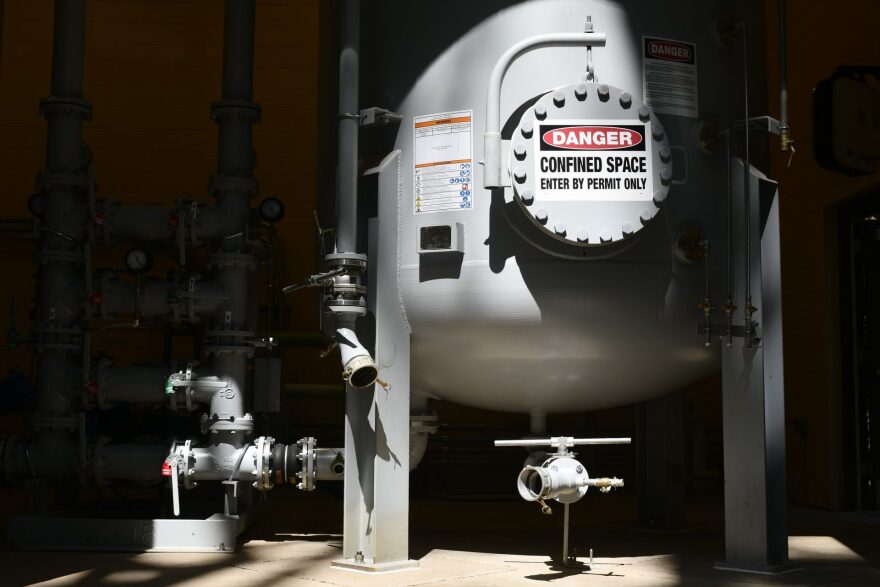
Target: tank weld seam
x=399, y=251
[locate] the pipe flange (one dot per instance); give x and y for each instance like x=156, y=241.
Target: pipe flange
x=219, y=423
x=349, y=289
x=216, y=349
x=221, y=184
x=51, y=256
x=305, y=450
x=222, y=260
x=263, y=464
x=54, y=422
x=349, y=260
x=241, y=108
x=57, y=331
x=46, y=181
x=51, y=104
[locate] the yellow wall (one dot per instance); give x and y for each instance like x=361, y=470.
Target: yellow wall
x=821, y=35
x=153, y=67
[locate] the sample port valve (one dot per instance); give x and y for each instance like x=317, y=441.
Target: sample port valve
x=561, y=477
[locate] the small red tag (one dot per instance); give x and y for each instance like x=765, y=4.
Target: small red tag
x=166, y=470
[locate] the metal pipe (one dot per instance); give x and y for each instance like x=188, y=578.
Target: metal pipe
x=492, y=137
x=131, y=384
x=747, y=189
x=297, y=339
x=238, y=50
x=349, y=123
x=60, y=262
x=785, y=142
x=565, y=534
x=314, y=389
x=235, y=115
x=129, y=462
x=556, y=442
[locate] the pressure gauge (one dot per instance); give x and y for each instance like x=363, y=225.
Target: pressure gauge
x=138, y=260
x=271, y=210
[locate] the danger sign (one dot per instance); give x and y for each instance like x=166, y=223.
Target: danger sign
x=593, y=161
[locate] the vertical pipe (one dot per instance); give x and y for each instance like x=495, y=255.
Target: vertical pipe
x=235, y=115
x=347, y=172
x=784, y=132
x=60, y=264
x=233, y=267
x=565, y=529
x=238, y=50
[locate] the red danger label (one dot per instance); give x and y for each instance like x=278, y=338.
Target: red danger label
x=669, y=50
x=592, y=138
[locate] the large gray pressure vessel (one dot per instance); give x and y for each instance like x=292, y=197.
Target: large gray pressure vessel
x=527, y=299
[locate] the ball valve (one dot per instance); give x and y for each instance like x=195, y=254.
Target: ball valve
x=560, y=477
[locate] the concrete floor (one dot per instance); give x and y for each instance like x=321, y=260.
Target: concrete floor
x=485, y=545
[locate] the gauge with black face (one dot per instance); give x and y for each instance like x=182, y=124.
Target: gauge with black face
x=271, y=210
x=138, y=260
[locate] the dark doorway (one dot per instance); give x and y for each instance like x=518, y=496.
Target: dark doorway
x=859, y=225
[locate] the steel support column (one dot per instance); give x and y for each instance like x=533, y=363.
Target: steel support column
x=376, y=528
x=755, y=509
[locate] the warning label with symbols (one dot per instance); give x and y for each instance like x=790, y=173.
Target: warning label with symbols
x=669, y=69
x=443, y=162
x=602, y=160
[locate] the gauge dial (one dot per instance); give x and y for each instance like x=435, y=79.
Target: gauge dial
x=271, y=210
x=138, y=260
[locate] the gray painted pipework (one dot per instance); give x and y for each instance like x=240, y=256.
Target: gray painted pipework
x=130, y=462
x=60, y=269
x=131, y=384
x=347, y=170
x=137, y=223
x=235, y=115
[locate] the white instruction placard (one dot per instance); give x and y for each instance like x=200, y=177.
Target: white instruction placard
x=669, y=70
x=443, y=162
x=598, y=160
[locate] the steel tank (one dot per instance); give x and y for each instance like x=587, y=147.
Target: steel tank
x=512, y=315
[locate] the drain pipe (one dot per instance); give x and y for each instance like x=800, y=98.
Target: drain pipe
x=52, y=453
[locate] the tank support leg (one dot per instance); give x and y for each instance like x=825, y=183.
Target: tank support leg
x=756, y=537
x=376, y=526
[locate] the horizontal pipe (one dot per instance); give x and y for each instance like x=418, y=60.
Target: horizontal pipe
x=130, y=462
x=314, y=389
x=555, y=442
x=297, y=339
